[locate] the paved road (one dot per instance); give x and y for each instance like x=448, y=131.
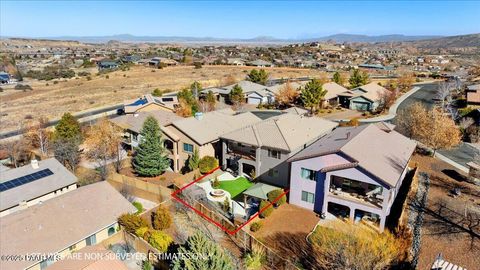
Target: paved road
x=13, y=133
x=460, y=154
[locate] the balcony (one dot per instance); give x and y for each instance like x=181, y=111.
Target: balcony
x=241, y=151
x=356, y=191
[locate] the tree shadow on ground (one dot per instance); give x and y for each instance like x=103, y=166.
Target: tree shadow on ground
x=293, y=247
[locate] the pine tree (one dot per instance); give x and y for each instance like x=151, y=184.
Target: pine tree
x=150, y=158
x=258, y=76
x=312, y=94
x=216, y=258
x=358, y=79
x=337, y=78
x=194, y=160
x=236, y=96
x=68, y=128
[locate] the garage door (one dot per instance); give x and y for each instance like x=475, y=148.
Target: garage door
x=253, y=100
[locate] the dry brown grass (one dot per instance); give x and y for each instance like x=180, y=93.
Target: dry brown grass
x=81, y=94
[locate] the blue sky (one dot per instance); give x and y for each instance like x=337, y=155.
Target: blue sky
x=231, y=19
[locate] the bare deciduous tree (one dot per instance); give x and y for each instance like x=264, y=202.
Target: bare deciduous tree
x=39, y=136
x=66, y=151
x=286, y=95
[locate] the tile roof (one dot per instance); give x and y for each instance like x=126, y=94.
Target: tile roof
x=333, y=90
x=286, y=132
x=134, y=122
x=383, y=154
x=60, y=222
x=60, y=178
x=90, y=258
x=214, y=124
x=371, y=91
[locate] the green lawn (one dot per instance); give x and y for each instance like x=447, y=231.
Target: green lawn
x=235, y=187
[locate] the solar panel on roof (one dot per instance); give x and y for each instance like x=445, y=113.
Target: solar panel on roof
x=25, y=179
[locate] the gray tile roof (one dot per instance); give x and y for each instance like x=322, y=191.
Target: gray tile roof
x=383, y=154
x=214, y=124
x=60, y=222
x=134, y=122
x=60, y=178
x=333, y=90
x=285, y=132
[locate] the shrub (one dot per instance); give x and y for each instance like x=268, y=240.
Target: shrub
x=139, y=207
x=216, y=183
x=132, y=222
x=107, y=77
x=272, y=195
x=266, y=212
x=161, y=219
x=207, y=164
x=23, y=87
x=256, y=226
x=140, y=232
x=255, y=260
x=157, y=92
x=197, y=65
x=89, y=78
x=159, y=240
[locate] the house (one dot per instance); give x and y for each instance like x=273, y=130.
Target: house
x=157, y=61
x=333, y=91
x=90, y=258
x=107, y=64
x=57, y=227
x=354, y=172
x=131, y=59
x=132, y=125
x=254, y=93
x=261, y=149
x=203, y=131
x=150, y=103
x=362, y=98
x=235, y=61
x=260, y=63
x=32, y=184
x=473, y=94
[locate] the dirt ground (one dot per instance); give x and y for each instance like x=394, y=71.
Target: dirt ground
x=80, y=94
x=449, y=227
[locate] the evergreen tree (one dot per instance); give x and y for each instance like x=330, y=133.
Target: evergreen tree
x=337, y=78
x=312, y=94
x=236, y=95
x=211, y=100
x=258, y=76
x=216, y=258
x=150, y=158
x=187, y=96
x=194, y=160
x=68, y=128
x=358, y=78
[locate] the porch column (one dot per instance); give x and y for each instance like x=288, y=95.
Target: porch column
x=224, y=153
x=326, y=190
x=352, y=214
x=382, y=223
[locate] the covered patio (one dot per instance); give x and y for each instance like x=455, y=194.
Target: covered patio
x=255, y=194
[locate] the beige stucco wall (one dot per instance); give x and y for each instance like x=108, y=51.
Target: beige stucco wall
x=43, y=198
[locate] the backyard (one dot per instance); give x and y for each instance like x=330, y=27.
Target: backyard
x=235, y=187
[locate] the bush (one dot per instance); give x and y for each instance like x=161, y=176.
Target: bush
x=197, y=65
x=256, y=226
x=140, y=232
x=139, y=207
x=23, y=87
x=157, y=92
x=83, y=73
x=89, y=78
x=266, y=212
x=161, y=219
x=132, y=222
x=272, y=195
x=159, y=240
x=255, y=260
x=216, y=183
x=207, y=164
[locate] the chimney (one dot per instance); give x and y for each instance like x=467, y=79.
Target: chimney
x=199, y=115
x=34, y=163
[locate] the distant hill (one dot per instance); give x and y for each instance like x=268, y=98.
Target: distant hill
x=472, y=40
x=468, y=40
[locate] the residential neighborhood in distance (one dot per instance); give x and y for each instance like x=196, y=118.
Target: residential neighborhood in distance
x=250, y=135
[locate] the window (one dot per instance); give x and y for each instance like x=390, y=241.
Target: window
x=308, y=197
x=72, y=247
x=274, y=154
x=308, y=174
x=188, y=147
x=273, y=173
x=134, y=137
x=91, y=240
x=111, y=231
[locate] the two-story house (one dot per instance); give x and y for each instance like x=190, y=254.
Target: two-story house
x=261, y=149
x=354, y=172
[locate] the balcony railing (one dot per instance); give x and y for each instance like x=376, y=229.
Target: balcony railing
x=372, y=199
x=241, y=154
